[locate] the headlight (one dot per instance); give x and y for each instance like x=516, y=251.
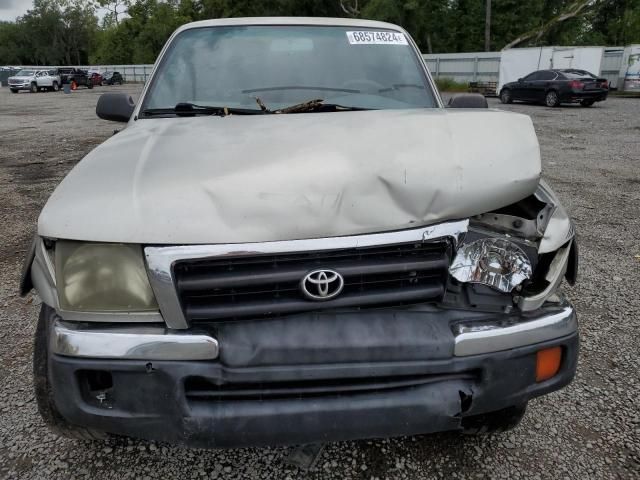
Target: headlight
x=494, y=262
x=98, y=277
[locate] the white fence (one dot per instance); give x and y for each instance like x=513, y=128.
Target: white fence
x=465, y=67
x=130, y=73
x=485, y=66
x=461, y=67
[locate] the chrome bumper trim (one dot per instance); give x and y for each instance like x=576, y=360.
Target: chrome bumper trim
x=160, y=260
x=497, y=338
x=130, y=343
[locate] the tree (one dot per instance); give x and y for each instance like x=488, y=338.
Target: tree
x=53, y=32
x=537, y=33
x=350, y=7
x=487, y=26
x=78, y=33
x=56, y=32
x=10, y=43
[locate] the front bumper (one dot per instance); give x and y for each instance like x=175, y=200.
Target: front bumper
x=20, y=86
x=472, y=337
x=307, y=378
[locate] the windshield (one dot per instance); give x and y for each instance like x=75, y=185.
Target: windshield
x=283, y=66
x=25, y=73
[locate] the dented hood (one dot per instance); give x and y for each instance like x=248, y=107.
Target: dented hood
x=280, y=177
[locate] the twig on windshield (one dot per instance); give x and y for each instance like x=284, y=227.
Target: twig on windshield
x=302, y=107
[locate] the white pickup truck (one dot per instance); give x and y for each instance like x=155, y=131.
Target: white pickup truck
x=293, y=241
x=35, y=80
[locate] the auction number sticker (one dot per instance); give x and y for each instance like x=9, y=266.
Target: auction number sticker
x=365, y=37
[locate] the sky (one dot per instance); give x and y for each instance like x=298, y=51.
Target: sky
x=10, y=9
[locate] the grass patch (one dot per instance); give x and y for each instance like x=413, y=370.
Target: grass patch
x=446, y=84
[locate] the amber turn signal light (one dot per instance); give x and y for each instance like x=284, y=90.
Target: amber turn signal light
x=548, y=363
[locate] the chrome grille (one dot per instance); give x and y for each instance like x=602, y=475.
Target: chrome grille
x=162, y=259
x=269, y=285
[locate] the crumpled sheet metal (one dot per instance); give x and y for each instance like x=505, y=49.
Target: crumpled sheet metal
x=280, y=177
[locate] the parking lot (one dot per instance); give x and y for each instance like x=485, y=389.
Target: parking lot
x=591, y=429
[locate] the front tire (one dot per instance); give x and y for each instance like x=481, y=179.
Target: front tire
x=14, y=90
x=552, y=99
x=494, y=422
x=43, y=388
x=90, y=84
x=33, y=88
x=505, y=96
x=55, y=86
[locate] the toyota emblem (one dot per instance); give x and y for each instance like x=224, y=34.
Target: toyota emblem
x=322, y=284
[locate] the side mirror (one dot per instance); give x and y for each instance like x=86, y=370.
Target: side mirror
x=116, y=107
x=468, y=100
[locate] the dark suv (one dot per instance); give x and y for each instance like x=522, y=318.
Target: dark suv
x=553, y=87
x=75, y=76
x=112, y=78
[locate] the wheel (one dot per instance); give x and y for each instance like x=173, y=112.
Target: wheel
x=43, y=389
x=587, y=103
x=494, y=422
x=55, y=86
x=552, y=99
x=33, y=88
x=89, y=84
x=505, y=96
x=14, y=90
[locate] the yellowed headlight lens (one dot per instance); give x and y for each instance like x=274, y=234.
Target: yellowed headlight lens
x=102, y=277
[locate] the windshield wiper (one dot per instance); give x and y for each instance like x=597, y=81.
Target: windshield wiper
x=188, y=109
x=315, y=105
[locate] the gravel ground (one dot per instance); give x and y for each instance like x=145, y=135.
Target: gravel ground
x=589, y=430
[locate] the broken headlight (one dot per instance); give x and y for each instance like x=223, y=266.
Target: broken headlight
x=102, y=277
x=495, y=262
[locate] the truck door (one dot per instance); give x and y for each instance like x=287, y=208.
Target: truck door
x=43, y=79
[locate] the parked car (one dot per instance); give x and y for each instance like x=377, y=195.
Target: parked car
x=319, y=252
x=96, y=78
x=75, y=77
x=112, y=78
x=35, y=80
x=554, y=87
